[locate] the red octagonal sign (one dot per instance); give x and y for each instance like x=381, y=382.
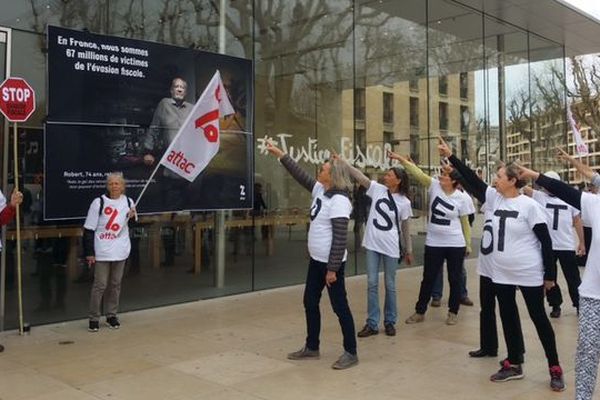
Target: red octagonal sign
x=17, y=99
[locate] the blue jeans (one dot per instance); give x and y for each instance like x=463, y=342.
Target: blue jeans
x=438, y=285
x=389, y=269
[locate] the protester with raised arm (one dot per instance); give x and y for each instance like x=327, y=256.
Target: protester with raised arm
x=448, y=237
x=587, y=355
x=327, y=238
x=594, y=179
x=521, y=255
x=386, y=240
x=564, y=223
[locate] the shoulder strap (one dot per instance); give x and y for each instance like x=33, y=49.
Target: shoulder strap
x=101, y=205
x=389, y=194
x=128, y=202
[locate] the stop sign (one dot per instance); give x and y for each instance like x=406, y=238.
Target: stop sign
x=17, y=99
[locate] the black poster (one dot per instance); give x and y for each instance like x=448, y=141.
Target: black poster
x=114, y=105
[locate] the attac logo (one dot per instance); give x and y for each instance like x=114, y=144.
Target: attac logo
x=180, y=161
x=210, y=131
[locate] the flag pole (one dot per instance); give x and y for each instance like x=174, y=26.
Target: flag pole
x=18, y=230
x=147, y=183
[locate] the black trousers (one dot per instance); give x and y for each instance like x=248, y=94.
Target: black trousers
x=433, y=262
x=315, y=282
x=587, y=237
x=488, y=331
x=568, y=264
x=511, y=324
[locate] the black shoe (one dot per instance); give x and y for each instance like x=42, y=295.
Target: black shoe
x=367, y=331
x=113, y=322
x=1, y=348
x=93, y=326
x=555, y=313
x=482, y=353
x=466, y=301
x=390, y=330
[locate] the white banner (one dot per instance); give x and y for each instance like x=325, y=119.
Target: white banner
x=197, y=141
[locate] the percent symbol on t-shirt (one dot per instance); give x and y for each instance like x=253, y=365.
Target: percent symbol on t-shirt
x=111, y=225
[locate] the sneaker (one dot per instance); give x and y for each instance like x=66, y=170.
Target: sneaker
x=466, y=301
x=436, y=302
x=390, y=330
x=508, y=372
x=452, y=319
x=415, y=318
x=480, y=353
x=94, y=326
x=346, y=360
x=113, y=322
x=557, y=383
x=555, y=313
x=367, y=331
x=304, y=354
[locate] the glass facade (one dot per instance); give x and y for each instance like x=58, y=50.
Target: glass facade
x=356, y=76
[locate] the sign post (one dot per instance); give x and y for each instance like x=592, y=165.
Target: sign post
x=17, y=103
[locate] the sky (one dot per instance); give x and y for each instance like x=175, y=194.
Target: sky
x=591, y=7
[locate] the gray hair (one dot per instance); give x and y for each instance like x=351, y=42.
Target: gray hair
x=117, y=175
x=340, y=180
x=512, y=172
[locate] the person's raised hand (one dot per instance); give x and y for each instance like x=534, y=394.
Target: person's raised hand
x=562, y=155
x=447, y=168
x=526, y=173
x=274, y=150
x=443, y=147
x=393, y=156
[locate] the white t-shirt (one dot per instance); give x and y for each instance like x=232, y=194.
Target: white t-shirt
x=583, y=221
x=111, y=233
x=381, y=234
x=516, y=252
x=590, y=283
x=469, y=202
x=560, y=220
x=484, y=261
x=443, y=227
x=322, y=211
